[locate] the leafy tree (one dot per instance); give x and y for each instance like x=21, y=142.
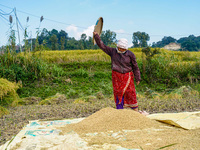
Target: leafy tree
x=183, y=39
x=72, y=44
x=140, y=39
x=62, y=41
x=83, y=41
x=108, y=37
x=54, y=31
x=165, y=41
x=62, y=33
x=44, y=43
x=190, y=43
x=83, y=37
x=54, y=41
x=90, y=44
x=45, y=35
x=62, y=38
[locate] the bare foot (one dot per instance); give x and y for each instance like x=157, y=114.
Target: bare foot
x=143, y=113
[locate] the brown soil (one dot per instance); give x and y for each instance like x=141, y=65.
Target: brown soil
x=18, y=117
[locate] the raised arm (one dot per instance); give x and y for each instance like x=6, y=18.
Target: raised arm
x=106, y=49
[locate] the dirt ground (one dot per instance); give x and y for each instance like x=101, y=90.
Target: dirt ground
x=20, y=116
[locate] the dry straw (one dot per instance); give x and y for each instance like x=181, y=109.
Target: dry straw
x=8, y=88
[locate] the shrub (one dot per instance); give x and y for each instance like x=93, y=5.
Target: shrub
x=26, y=67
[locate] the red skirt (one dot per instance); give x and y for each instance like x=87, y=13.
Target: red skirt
x=124, y=89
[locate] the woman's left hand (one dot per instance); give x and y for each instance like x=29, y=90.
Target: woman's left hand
x=138, y=82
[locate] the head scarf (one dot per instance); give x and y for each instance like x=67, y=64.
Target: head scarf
x=122, y=43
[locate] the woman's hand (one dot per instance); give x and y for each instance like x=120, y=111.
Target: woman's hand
x=138, y=82
x=94, y=33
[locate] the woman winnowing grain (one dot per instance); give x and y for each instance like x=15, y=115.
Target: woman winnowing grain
x=124, y=70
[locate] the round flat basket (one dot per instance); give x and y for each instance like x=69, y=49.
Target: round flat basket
x=98, y=27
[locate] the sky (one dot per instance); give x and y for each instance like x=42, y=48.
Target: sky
x=158, y=18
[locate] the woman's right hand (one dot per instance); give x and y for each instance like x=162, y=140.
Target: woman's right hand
x=94, y=33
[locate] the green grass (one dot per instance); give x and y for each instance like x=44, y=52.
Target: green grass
x=82, y=83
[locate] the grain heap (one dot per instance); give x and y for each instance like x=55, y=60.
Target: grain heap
x=110, y=119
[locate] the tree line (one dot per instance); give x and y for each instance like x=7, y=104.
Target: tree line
x=190, y=43
x=60, y=40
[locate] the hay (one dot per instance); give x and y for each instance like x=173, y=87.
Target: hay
x=8, y=88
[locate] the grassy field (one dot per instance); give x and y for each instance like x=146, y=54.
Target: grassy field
x=70, y=84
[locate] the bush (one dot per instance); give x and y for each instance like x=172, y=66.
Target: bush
x=26, y=67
